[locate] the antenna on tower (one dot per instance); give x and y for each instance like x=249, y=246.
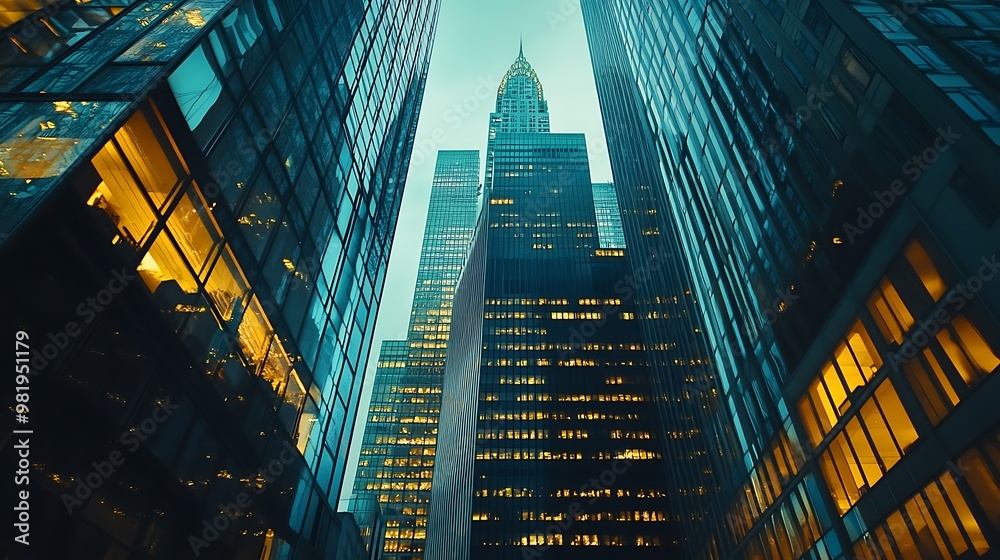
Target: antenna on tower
x=521, y=46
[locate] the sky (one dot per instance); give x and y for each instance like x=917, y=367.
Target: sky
x=475, y=45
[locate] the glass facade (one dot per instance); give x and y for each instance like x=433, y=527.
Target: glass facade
x=562, y=454
x=609, y=220
x=521, y=107
x=820, y=171
x=397, y=454
x=201, y=197
x=451, y=495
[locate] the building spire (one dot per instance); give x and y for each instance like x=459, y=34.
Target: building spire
x=521, y=46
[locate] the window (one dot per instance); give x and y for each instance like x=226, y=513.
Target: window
x=194, y=229
x=924, y=57
x=954, y=362
x=794, y=72
x=856, y=68
x=226, y=285
x=924, y=267
x=139, y=170
x=869, y=445
x=943, y=16
x=891, y=314
x=935, y=523
x=986, y=52
x=829, y=396
x=831, y=123
x=806, y=48
x=976, y=105
x=843, y=91
x=198, y=92
x=817, y=22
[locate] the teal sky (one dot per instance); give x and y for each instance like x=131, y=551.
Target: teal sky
x=476, y=42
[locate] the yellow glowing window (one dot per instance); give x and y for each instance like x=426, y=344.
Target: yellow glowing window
x=870, y=444
x=226, y=284
x=153, y=161
x=969, y=352
x=253, y=331
x=121, y=197
x=194, y=229
x=854, y=363
x=139, y=168
x=925, y=269
x=890, y=312
x=955, y=361
x=932, y=386
x=935, y=523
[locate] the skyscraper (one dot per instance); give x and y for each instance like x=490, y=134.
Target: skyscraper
x=564, y=430
x=201, y=196
x=820, y=168
x=609, y=220
x=400, y=439
x=521, y=106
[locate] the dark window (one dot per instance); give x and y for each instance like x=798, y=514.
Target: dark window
x=817, y=22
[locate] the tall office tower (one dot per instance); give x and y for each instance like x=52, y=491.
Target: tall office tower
x=397, y=453
x=609, y=219
x=822, y=167
x=200, y=197
x=567, y=451
x=553, y=445
x=521, y=106
x=450, y=509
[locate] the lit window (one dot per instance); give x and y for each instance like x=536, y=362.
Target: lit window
x=137, y=173
x=890, y=312
x=828, y=397
x=925, y=269
x=856, y=68
x=954, y=362
x=869, y=445
x=935, y=523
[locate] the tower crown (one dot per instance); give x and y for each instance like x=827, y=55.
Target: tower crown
x=521, y=67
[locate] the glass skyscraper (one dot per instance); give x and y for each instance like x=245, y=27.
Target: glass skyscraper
x=823, y=172
x=200, y=197
x=609, y=220
x=398, y=451
x=521, y=106
x=554, y=443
